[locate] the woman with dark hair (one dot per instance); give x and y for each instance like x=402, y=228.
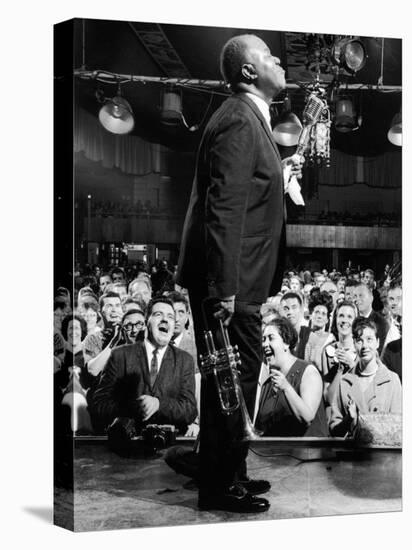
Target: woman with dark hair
x=72, y=380
x=74, y=331
x=340, y=356
x=315, y=336
x=368, y=388
x=291, y=400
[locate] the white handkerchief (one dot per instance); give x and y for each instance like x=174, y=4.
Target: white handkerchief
x=294, y=192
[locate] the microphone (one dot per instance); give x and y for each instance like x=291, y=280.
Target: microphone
x=271, y=369
x=311, y=115
x=274, y=388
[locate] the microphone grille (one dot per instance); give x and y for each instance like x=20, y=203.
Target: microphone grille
x=313, y=109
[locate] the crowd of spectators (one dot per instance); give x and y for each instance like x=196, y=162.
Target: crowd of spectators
x=124, y=347
x=125, y=208
x=383, y=219
x=331, y=217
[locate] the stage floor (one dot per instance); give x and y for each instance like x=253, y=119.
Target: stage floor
x=112, y=492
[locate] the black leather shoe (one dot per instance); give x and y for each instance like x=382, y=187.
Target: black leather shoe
x=254, y=486
x=235, y=500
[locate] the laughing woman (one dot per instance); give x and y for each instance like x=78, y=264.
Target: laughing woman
x=339, y=357
x=291, y=402
x=369, y=388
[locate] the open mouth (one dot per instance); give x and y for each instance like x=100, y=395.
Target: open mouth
x=164, y=328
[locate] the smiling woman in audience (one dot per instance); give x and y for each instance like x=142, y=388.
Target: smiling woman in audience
x=314, y=337
x=340, y=356
x=72, y=380
x=368, y=388
x=291, y=400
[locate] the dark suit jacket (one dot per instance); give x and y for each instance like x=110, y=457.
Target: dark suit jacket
x=234, y=226
x=126, y=377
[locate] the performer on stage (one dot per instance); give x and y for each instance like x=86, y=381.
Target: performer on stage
x=232, y=247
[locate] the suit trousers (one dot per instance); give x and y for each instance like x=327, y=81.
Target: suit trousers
x=222, y=451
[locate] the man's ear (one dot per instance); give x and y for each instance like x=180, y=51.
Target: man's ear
x=248, y=72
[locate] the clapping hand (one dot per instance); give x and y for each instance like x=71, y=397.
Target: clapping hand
x=346, y=357
x=116, y=336
x=352, y=410
x=148, y=406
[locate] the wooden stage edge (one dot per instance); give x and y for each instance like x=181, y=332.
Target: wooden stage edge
x=308, y=442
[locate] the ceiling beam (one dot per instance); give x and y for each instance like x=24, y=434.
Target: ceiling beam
x=160, y=49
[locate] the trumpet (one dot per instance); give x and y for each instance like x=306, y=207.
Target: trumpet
x=223, y=365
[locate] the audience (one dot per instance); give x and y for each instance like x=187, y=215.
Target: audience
x=71, y=380
x=141, y=289
x=84, y=343
x=350, y=290
x=118, y=275
x=184, y=339
x=368, y=388
x=291, y=307
x=90, y=313
x=133, y=326
x=315, y=337
x=162, y=279
x=104, y=280
x=291, y=401
x=363, y=298
x=340, y=356
x=150, y=381
x=392, y=355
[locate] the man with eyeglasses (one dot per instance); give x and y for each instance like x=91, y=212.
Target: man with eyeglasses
x=150, y=381
x=133, y=325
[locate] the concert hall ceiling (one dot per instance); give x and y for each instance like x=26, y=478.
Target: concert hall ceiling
x=120, y=50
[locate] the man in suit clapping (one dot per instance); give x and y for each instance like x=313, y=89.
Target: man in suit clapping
x=150, y=381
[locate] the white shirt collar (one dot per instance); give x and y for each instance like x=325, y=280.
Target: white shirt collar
x=178, y=340
x=262, y=106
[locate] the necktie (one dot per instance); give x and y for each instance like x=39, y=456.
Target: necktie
x=153, y=367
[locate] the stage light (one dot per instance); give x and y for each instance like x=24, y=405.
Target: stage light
x=171, y=113
x=395, y=130
x=116, y=115
x=345, y=115
x=288, y=127
x=349, y=53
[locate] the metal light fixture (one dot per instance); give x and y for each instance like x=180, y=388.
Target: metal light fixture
x=395, y=130
x=349, y=53
x=116, y=115
x=171, y=113
x=345, y=115
x=288, y=127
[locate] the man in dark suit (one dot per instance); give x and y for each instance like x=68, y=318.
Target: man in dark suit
x=231, y=248
x=363, y=298
x=149, y=381
x=183, y=337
